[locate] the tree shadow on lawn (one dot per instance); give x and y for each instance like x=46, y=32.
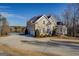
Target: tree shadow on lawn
x=53, y=43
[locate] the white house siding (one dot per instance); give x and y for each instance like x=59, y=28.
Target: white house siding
x=41, y=26
x=64, y=30
x=61, y=30
x=31, y=30
x=53, y=24
x=32, y=33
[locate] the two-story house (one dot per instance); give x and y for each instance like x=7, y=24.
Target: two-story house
x=41, y=25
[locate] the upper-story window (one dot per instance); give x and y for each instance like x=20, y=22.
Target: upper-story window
x=43, y=22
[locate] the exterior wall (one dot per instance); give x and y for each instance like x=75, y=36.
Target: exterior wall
x=64, y=30
x=53, y=24
x=53, y=21
x=40, y=24
x=61, y=30
x=31, y=29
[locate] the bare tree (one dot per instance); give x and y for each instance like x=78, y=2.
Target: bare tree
x=4, y=25
x=76, y=16
x=71, y=16
x=67, y=19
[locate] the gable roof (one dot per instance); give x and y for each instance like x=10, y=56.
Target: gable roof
x=35, y=18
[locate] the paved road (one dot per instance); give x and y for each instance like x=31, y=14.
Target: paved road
x=38, y=44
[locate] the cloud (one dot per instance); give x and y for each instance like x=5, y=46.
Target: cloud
x=6, y=14
x=4, y=7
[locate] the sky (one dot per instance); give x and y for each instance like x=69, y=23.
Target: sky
x=18, y=14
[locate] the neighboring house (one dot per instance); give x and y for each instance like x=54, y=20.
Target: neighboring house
x=41, y=25
x=61, y=29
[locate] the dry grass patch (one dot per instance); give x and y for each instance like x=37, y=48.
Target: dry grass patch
x=19, y=52
x=66, y=37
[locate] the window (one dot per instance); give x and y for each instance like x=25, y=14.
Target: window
x=43, y=22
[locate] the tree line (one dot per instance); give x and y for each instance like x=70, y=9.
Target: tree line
x=71, y=19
